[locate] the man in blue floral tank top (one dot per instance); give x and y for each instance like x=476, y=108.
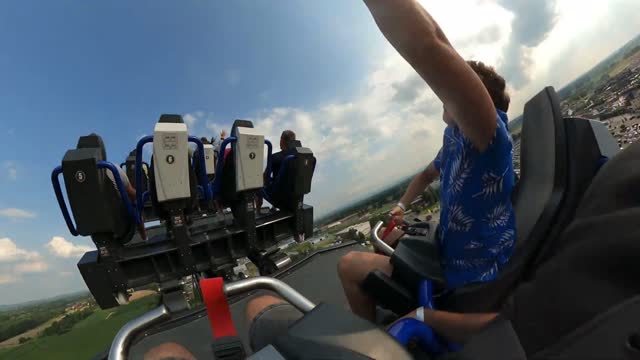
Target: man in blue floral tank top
x=477, y=220
x=474, y=165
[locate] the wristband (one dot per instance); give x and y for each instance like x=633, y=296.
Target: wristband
x=401, y=206
x=420, y=313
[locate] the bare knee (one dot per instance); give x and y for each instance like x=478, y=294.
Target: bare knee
x=346, y=265
x=257, y=304
x=169, y=350
x=355, y=266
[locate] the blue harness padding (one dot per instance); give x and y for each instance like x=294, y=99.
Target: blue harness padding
x=409, y=329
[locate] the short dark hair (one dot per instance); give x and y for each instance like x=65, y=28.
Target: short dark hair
x=204, y=140
x=288, y=135
x=494, y=83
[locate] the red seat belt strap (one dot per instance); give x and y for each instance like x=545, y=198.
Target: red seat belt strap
x=389, y=229
x=217, y=308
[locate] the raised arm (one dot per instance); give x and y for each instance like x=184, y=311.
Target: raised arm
x=419, y=39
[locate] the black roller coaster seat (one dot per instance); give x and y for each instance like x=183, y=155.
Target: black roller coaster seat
x=95, y=203
x=328, y=332
x=537, y=202
x=559, y=159
x=228, y=192
x=544, y=201
x=294, y=178
x=130, y=168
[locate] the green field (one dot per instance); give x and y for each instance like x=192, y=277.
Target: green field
x=86, y=339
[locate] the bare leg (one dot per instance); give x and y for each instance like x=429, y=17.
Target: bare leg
x=269, y=318
x=258, y=204
x=257, y=304
x=353, y=268
x=169, y=351
x=142, y=231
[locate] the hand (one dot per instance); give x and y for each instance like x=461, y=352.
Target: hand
x=397, y=215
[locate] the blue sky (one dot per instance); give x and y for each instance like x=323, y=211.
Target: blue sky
x=320, y=68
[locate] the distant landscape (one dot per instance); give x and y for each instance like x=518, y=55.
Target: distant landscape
x=67, y=324
x=53, y=328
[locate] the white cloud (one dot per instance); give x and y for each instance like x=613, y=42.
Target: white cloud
x=9, y=251
x=15, y=261
x=190, y=120
x=60, y=247
x=31, y=267
x=15, y=214
x=12, y=170
x=7, y=279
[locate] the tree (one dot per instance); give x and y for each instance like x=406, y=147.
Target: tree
x=352, y=234
x=374, y=220
x=361, y=238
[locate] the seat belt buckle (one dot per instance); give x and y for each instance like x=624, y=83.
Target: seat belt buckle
x=228, y=348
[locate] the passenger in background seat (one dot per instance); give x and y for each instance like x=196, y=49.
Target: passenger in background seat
x=474, y=165
x=217, y=142
x=131, y=192
x=277, y=158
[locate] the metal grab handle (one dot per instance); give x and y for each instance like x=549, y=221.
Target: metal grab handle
x=61, y=202
x=203, y=170
x=217, y=182
x=266, y=283
x=138, y=171
x=120, y=345
x=131, y=209
x=269, y=154
x=379, y=243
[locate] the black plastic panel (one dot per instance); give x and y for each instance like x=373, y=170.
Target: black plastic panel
x=496, y=341
x=94, y=276
x=611, y=335
x=95, y=204
x=213, y=247
x=587, y=152
x=389, y=294
x=328, y=332
x=416, y=258
x=171, y=118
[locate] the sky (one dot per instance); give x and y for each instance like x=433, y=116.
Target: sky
x=320, y=68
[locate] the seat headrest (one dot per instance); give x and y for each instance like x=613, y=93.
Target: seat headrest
x=240, y=123
x=294, y=144
x=92, y=141
x=171, y=118
x=543, y=166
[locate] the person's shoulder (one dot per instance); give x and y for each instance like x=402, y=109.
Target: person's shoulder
x=501, y=142
x=502, y=130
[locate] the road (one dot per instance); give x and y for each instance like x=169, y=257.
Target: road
x=29, y=334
